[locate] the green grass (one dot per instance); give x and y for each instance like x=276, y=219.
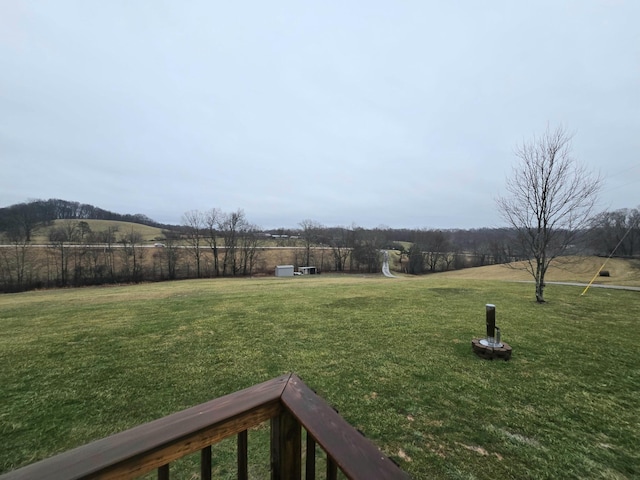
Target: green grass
x=393, y=356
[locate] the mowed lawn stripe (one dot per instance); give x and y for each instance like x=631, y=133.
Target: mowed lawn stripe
x=393, y=356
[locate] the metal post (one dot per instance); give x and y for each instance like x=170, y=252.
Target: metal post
x=491, y=322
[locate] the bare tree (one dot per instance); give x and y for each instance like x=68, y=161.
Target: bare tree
x=170, y=253
x=194, y=223
x=100, y=256
x=108, y=238
x=402, y=253
x=416, y=259
x=437, y=247
x=366, y=254
x=60, y=237
x=132, y=256
x=231, y=225
x=212, y=220
x=339, y=240
x=15, y=261
x=27, y=218
x=249, y=248
x=551, y=197
x=310, y=232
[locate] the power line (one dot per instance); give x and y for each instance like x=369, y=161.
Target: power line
x=624, y=170
x=631, y=227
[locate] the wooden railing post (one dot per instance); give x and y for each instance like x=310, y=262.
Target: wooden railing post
x=205, y=463
x=285, y=401
x=286, y=448
x=332, y=469
x=310, y=469
x=243, y=460
x=163, y=472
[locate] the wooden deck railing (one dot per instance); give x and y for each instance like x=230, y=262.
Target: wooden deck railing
x=285, y=401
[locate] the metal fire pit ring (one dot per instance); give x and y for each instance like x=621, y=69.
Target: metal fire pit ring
x=489, y=352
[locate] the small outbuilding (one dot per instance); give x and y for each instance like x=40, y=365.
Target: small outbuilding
x=307, y=270
x=284, y=271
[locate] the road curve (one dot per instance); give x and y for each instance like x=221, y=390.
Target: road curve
x=593, y=285
x=385, y=265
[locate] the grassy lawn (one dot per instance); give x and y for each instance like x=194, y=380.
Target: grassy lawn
x=563, y=269
x=392, y=355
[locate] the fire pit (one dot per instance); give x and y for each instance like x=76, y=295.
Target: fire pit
x=491, y=347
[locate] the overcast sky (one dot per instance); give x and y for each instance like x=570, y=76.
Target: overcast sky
x=396, y=113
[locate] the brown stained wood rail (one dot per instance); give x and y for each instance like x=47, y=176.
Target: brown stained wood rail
x=349, y=450
x=286, y=401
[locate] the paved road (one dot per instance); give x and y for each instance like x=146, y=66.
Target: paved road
x=143, y=245
x=593, y=285
x=385, y=265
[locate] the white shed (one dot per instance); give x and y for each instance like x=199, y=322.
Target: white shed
x=284, y=271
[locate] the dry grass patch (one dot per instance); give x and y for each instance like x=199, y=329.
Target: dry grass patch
x=565, y=269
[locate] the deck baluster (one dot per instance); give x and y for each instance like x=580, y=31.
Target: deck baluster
x=243, y=463
x=332, y=469
x=310, y=464
x=285, y=401
x=205, y=463
x=163, y=472
x=286, y=449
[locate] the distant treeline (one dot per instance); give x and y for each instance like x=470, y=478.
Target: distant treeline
x=22, y=218
x=215, y=243
x=616, y=232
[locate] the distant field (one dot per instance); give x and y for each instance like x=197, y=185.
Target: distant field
x=392, y=355
x=566, y=269
x=287, y=251
x=149, y=234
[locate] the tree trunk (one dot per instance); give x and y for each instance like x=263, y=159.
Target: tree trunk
x=216, y=266
x=540, y=271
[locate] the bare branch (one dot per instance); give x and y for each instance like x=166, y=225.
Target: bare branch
x=551, y=198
